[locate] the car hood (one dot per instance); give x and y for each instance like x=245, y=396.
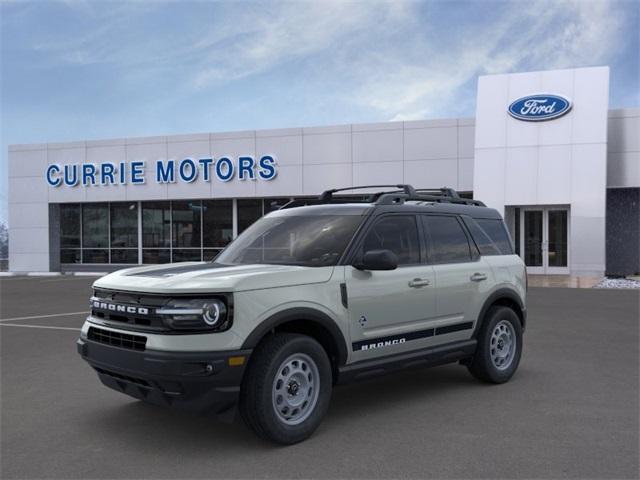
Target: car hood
x=195, y=277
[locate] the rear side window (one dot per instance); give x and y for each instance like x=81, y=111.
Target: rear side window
x=496, y=231
x=397, y=233
x=447, y=241
x=486, y=246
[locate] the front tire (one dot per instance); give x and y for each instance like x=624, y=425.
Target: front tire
x=499, y=346
x=287, y=388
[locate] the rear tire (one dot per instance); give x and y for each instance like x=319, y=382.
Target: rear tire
x=286, y=390
x=499, y=346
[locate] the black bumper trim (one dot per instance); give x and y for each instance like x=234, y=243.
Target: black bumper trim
x=197, y=381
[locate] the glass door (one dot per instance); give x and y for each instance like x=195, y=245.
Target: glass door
x=543, y=239
x=557, y=241
x=533, y=238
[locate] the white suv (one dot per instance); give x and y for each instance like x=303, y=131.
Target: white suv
x=310, y=296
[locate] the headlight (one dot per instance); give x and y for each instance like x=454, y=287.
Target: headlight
x=195, y=314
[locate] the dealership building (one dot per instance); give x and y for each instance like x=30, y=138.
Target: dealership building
x=544, y=149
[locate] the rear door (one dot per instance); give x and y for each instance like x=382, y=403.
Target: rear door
x=462, y=277
x=390, y=310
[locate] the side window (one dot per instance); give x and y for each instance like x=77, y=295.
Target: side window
x=397, y=233
x=447, y=241
x=497, y=232
x=486, y=246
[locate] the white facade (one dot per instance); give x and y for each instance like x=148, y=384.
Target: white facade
x=568, y=161
x=561, y=162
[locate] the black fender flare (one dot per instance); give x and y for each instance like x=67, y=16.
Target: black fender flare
x=500, y=294
x=305, y=314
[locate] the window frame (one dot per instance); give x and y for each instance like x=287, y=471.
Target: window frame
x=474, y=254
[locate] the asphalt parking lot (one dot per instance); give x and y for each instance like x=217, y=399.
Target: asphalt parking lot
x=571, y=411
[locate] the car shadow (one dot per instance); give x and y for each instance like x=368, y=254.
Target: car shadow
x=184, y=433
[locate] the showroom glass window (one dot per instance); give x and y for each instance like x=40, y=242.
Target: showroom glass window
x=271, y=204
x=186, y=227
x=70, y=233
x=249, y=210
x=156, y=232
x=217, y=226
x=95, y=233
x=124, y=232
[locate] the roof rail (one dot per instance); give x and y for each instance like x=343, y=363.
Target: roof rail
x=327, y=195
x=403, y=193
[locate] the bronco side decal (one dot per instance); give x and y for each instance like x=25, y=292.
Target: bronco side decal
x=382, y=342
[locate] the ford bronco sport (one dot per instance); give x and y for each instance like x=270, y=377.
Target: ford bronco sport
x=310, y=296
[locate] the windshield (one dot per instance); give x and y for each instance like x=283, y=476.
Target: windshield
x=313, y=241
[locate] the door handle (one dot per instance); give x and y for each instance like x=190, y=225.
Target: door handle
x=478, y=277
x=419, y=282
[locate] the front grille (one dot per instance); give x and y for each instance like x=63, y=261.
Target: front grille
x=147, y=321
x=117, y=339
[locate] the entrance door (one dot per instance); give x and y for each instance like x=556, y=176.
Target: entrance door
x=544, y=235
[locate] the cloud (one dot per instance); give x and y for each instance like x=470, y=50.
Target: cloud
x=288, y=32
x=538, y=35
x=398, y=59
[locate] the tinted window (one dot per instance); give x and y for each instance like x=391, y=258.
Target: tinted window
x=186, y=223
x=95, y=228
x=156, y=224
x=218, y=222
x=447, y=241
x=495, y=230
x=481, y=239
x=69, y=226
x=124, y=225
x=398, y=234
x=249, y=210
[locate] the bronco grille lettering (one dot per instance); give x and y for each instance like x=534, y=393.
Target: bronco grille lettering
x=114, y=307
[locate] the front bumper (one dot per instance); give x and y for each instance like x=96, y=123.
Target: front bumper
x=203, y=382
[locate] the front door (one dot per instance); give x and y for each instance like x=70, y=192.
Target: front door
x=544, y=235
x=391, y=311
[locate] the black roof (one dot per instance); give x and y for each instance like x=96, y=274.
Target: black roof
x=402, y=199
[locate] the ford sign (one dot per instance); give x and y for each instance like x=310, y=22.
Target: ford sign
x=536, y=108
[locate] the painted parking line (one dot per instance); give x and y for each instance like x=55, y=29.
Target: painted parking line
x=65, y=279
x=36, y=317
x=39, y=326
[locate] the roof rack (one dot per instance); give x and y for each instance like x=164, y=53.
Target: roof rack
x=403, y=193
x=327, y=195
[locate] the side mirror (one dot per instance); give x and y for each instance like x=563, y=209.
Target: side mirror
x=378, y=260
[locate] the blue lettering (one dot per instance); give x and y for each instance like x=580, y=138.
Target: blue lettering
x=137, y=173
x=88, y=173
x=246, y=165
x=69, y=180
x=267, y=168
x=165, y=174
x=123, y=173
x=228, y=164
x=193, y=170
x=106, y=173
x=206, y=168
x=51, y=169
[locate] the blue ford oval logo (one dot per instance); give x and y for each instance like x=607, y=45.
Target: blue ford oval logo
x=536, y=108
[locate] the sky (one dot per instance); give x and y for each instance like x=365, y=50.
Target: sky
x=78, y=70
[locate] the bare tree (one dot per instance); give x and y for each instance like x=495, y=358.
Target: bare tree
x=4, y=241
